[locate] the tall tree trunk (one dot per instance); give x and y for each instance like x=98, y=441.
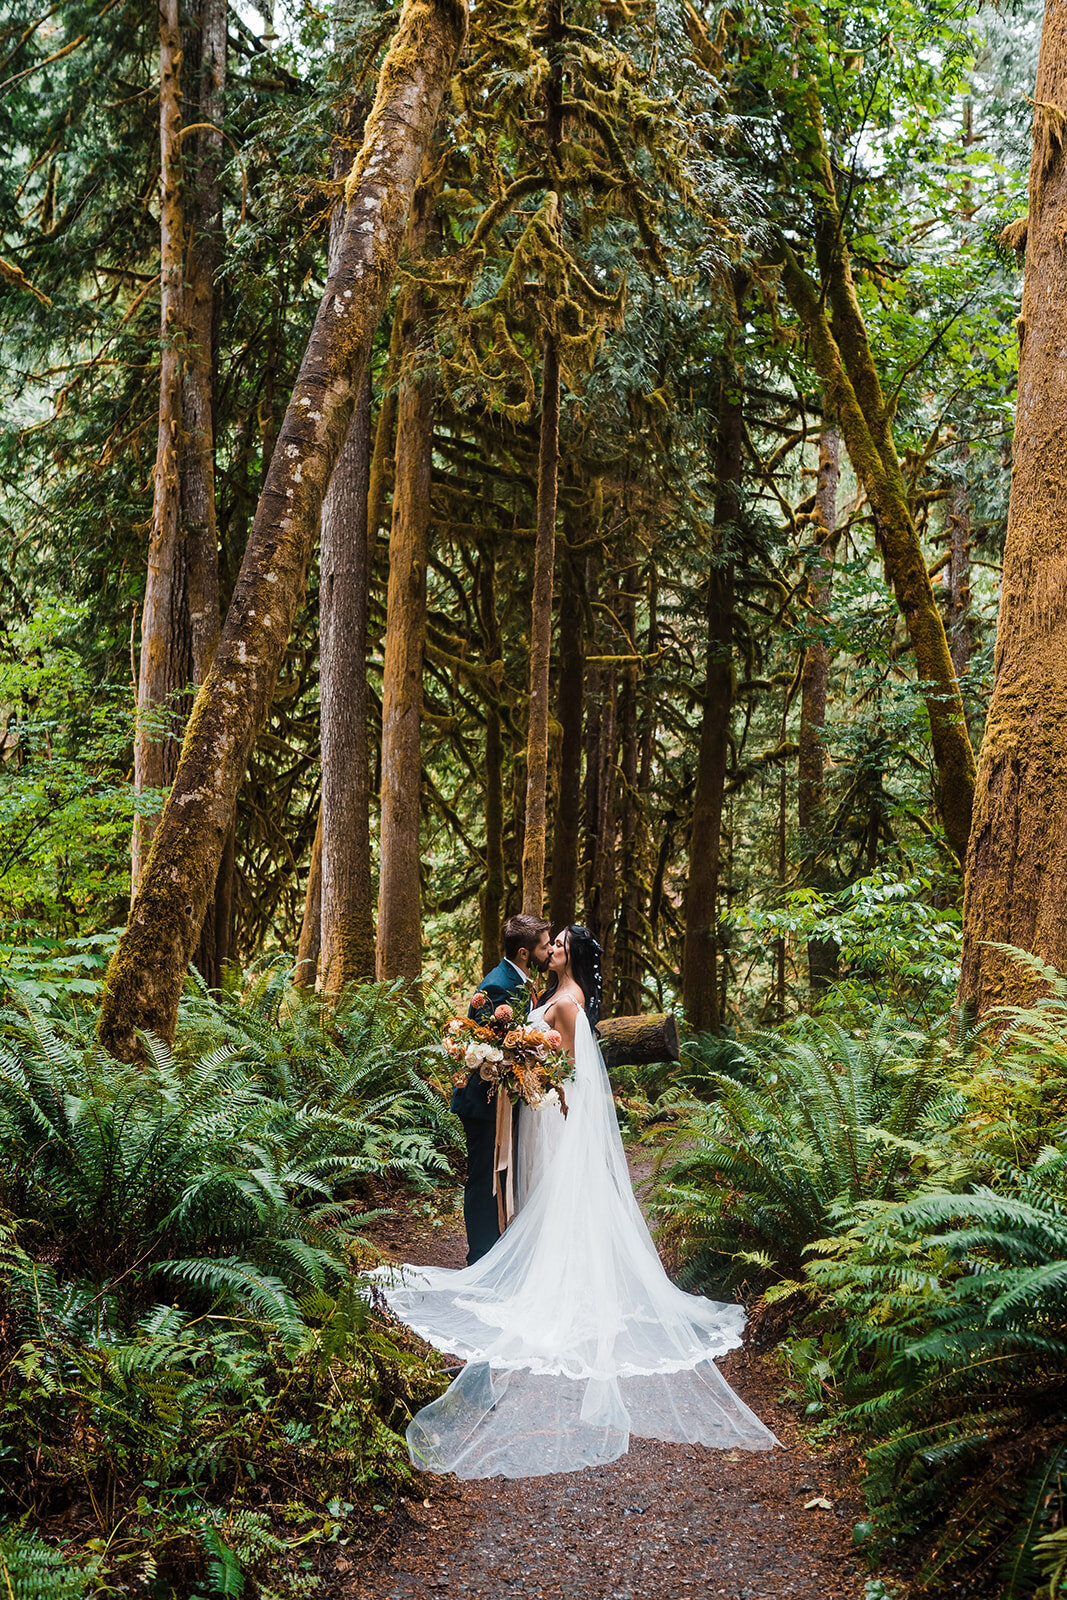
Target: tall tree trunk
x=1016, y=884
x=347, y=898
x=603, y=871
x=566, y=823
x=842, y=356
x=347, y=911
x=534, y=841
x=144, y=980
x=202, y=146
x=204, y=49
x=535, y=833
x=166, y=661
x=700, y=989
x=594, y=778
x=383, y=456
x=627, y=991
x=399, y=951
x=492, y=896
x=958, y=620
x=309, y=944
x=814, y=682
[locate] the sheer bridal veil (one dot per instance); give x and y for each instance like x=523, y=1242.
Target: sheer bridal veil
x=574, y=1337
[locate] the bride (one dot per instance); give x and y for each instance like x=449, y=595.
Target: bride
x=573, y=1336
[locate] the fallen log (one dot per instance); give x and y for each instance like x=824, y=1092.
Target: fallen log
x=639, y=1041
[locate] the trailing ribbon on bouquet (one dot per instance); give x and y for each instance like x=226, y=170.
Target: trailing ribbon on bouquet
x=504, y=1161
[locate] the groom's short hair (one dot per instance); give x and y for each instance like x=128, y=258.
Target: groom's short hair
x=522, y=932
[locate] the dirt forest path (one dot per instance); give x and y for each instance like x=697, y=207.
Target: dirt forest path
x=665, y=1522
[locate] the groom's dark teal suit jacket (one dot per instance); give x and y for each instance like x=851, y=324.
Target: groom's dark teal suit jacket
x=471, y=1100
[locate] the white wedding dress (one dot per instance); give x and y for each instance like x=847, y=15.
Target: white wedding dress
x=574, y=1337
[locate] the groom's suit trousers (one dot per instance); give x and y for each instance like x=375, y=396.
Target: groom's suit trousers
x=477, y=1112
x=479, y=1202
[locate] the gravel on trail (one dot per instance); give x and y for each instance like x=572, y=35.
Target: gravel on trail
x=664, y=1522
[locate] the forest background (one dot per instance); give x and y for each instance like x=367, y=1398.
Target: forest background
x=592, y=499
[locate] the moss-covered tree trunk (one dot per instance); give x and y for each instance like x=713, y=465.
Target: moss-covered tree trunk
x=535, y=834
x=628, y=962
x=347, y=903
x=841, y=353
x=344, y=581
x=700, y=989
x=959, y=623
x=204, y=51
x=570, y=697
x=814, y=683
x=166, y=663
x=601, y=801
x=399, y=944
x=204, y=48
x=536, y=831
x=309, y=944
x=144, y=981
x=491, y=901
x=1016, y=883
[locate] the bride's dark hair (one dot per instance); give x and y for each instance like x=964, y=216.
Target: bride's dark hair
x=583, y=952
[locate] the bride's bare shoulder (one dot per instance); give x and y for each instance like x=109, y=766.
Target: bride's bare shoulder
x=562, y=1009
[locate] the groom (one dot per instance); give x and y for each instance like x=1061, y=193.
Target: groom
x=526, y=948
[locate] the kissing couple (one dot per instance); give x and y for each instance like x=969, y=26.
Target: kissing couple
x=529, y=955
x=571, y=1335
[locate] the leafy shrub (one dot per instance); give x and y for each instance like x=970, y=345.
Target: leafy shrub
x=815, y=1121
x=897, y=946
x=374, y=1049
x=181, y=1338
x=33, y=1570
x=954, y=1357
x=908, y=1192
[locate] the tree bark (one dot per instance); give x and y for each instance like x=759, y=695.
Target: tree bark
x=145, y=978
x=958, y=621
x=399, y=950
x=842, y=356
x=814, y=682
x=166, y=661
x=309, y=944
x=347, y=915
x=347, y=900
x=535, y=832
x=205, y=47
x=602, y=810
x=700, y=989
x=566, y=822
x=492, y=896
x=203, y=220
x=639, y=1041
x=1016, y=883
x=627, y=989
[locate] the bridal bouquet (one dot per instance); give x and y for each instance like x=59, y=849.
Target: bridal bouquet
x=527, y=1063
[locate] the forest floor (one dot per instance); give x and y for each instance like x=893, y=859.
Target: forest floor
x=665, y=1522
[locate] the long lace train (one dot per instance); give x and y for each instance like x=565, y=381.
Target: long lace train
x=573, y=1335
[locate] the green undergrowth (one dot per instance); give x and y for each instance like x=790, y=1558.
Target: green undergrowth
x=893, y=1201
x=195, y=1397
